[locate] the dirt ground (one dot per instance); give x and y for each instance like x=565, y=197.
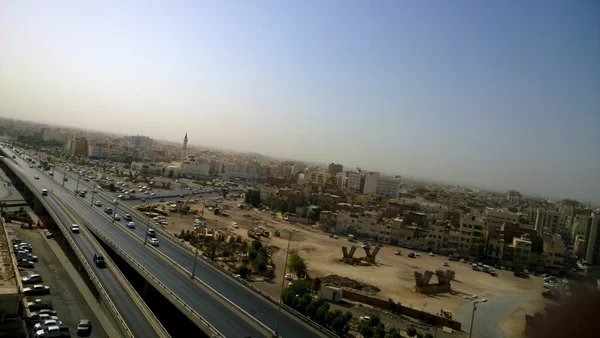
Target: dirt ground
x=393, y=274
x=515, y=324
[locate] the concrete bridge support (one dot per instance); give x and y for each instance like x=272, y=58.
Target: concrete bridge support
x=38, y=207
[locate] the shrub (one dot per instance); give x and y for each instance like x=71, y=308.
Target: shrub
x=243, y=271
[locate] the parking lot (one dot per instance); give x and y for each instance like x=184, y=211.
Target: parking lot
x=65, y=295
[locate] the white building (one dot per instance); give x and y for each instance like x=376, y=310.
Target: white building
x=95, y=150
x=388, y=187
x=495, y=218
x=355, y=181
x=370, y=183
x=592, y=240
x=548, y=221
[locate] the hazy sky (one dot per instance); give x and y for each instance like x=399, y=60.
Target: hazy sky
x=500, y=94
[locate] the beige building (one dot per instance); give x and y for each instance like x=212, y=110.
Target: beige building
x=522, y=251
x=495, y=218
x=79, y=146
x=54, y=134
x=472, y=234
x=547, y=221
x=554, y=252
x=579, y=247
x=495, y=247
x=355, y=181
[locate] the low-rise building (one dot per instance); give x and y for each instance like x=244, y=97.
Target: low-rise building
x=554, y=252
x=388, y=187
x=521, y=251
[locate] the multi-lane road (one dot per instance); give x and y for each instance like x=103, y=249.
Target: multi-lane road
x=215, y=311
x=135, y=320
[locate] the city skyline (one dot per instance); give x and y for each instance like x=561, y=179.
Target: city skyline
x=499, y=96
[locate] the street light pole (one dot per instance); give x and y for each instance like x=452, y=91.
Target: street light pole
x=475, y=302
x=196, y=254
x=115, y=213
x=282, y=283
x=93, y=193
x=77, y=187
x=147, y=227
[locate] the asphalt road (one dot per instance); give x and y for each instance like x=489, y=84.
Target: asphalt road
x=248, y=300
x=215, y=312
x=135, y=320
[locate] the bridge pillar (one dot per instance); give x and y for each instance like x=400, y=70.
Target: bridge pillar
x=145, y=291
x=38, y=207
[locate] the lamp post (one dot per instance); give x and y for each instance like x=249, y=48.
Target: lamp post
x=282, y=284
x=475, y=302
x=116, y=205
x=148, y=223
x=77, y=187
x=197, y=244
x=93, y=193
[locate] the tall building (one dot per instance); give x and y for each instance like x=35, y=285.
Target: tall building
x=335, y=168
x=370, y=183
x=547, y=221
x=53, y=134
x=592, y=240
x=142, y=141
x=183, y=151
x=513, y=196
x=388, y=187
x=79, y=146
x=355, y=181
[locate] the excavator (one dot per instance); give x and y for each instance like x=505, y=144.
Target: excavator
x=184, y=207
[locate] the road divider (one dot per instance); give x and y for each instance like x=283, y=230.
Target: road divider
x=139, y=302
x=157, y=284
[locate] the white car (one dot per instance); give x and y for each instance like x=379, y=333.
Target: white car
x=431, y=254
x=117, y=217
x=36, y=177
x=131, y=225
x=36, y=289
x=235, y=225
x=288, y=276
x=98, y=203
x=47, y=323
x=153, y=241
x=31, y=279
x=75, y=228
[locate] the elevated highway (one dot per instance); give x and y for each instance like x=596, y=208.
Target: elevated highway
x=231, y=307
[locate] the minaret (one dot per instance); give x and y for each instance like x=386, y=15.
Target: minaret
x=183, y=149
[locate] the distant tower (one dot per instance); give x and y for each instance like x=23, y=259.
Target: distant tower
x=183, y=150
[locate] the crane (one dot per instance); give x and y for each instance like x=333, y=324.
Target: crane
x=183, y=207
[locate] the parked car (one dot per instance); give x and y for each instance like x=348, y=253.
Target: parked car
x=42, y=314
x=53, y=331
x=46, y=323
x=84, y=328
x=446, y=264
x=24, y=263
x=32, y=279
x=37, y=289
x=397, y=252
x=431, y=254
x=39, y=304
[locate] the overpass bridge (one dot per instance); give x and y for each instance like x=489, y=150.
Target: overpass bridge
x=213, y=299
x=125, y=306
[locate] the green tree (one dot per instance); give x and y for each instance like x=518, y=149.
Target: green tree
x=282, y=206
x=244, y=271
x=339, y=326
x=366, y=331
x=411, y=331
x=374, y=321
x=296, y=263
x=261, y=265
x=322, y=313
x=393, y=333
x=256, y=245
x=252, y=254
x=316, y=284
x=380, y=330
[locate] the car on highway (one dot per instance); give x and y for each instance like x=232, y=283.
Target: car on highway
x=98, y=203
x=66, y=179
x=153, y=241
x=37, y=289
x=75, y=228
x=117, y=217
x=108, y=210
x=127, y=217
x=47, y=323
x=36, y=177
x=32, y=279
x=84, y=328
x=99, y=260
x=151, y=233
x=131, y=225
x=82, y=194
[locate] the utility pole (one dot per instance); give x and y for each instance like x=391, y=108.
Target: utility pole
x=282, y=284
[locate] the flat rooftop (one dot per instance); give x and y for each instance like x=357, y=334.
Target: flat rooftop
x=8, y=274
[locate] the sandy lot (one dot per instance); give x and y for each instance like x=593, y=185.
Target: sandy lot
x=393, y=274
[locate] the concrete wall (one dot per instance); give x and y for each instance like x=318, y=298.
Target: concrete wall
x=401, y=309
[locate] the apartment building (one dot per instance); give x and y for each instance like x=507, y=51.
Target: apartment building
x=388, y=187
x=409, y=236
x=341, y=180
x=355, y=181
x=496, y=218
x=54, y=134
x=592, y=239
x=495, y=247
x=141, y=141
x=579, y=225
x=365, y=224
x=335, y=168
x=472, y=234
x=438, y=235
x=554, y=253
x=370, y=183
x=79, y=146
x=521, y=247
x=547, y=221
x=96, y=150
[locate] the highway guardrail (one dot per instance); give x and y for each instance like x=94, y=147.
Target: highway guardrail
x=139, y=302
x=200, y=321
